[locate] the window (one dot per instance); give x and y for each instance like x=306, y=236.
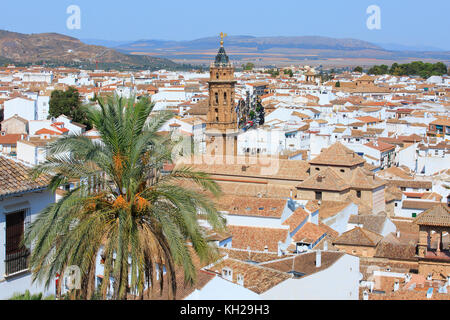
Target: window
x=217, y=98
x=227, y=273
x=318, y=195
x=358, y=194
x=317, y=169
x=414, y=215
x=240, y=279
x=342, y=170
x=16, y=259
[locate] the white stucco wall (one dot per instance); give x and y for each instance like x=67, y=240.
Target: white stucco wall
x=221, y=289
x=339, y=221
x=34, y=202
x=338, y=282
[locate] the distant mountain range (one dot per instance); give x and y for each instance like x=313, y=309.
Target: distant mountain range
x=53, y=48
x=283, y=50
x=402, y=47
x=58, y=49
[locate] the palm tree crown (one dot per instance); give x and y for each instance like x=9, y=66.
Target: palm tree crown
x=124, y=207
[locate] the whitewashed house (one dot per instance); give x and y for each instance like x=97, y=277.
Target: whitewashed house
x=21, y=200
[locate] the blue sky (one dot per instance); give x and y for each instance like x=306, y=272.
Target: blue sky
x=408, y=22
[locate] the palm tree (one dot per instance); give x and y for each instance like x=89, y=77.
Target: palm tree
x=125, y=207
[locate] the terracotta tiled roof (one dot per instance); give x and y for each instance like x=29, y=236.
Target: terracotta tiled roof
x=326, y=179
x=392, y=193
x=403, y=248
x=261, y=168
x=257, y=278
x=373, y=223
x=305, y=263
x=247, y=256
x=296, y=219
x=11, y=139
x=365, y=180
x=331, y=208
x=252, y=206
x=380, y=146
x=417, y=204
x=438, y=215
x=415, y=184
x=309, y=233
x=15, y=178
x=338, y=155
x=257, y=238
x=359, y=236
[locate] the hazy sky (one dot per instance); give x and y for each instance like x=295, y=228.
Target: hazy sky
x=408, y=22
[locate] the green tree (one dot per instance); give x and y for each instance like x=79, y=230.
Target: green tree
x=358, y=69
x=338, y=84
x=289, y=72
x=274, y=73
x=139, y=217
x=249, y=66
x=68, y=103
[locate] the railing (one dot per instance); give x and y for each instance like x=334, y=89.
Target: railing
x=16, y=262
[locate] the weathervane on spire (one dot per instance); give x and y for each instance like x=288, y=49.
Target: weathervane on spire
x=222, y=36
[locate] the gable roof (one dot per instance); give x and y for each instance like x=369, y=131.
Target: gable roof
x=373, y=223
x=296, y=219
x=309, y=233
x=360, y=237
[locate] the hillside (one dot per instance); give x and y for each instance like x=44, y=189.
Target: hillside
x=61, y=49
x=265, y=50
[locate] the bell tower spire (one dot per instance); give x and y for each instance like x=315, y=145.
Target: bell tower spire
x=221, y=125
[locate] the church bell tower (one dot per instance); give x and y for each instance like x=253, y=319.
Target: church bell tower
x=221, y=124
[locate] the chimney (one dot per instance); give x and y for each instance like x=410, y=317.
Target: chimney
x=325, y=245
x=396, y=285
x=407, y=278
x=318, y=259
x=365, y=295
x=398, y=234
